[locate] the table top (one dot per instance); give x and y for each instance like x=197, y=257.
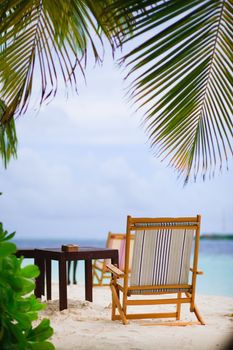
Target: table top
x=26, y=252
x=80, y=249
x=81, y=253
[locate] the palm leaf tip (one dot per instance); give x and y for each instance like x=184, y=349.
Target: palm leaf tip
x=182, y=77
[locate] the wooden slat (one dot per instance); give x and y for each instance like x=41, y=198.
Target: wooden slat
x=147, y=228
x=158, y=301
x=153, y=293
x=151, y=315
x=184, y=220
x=164, y=286
x=113, y=269
x=120, y=287
x=198, y=272
x=120, y=236
x=175, y=324
x=165, y=219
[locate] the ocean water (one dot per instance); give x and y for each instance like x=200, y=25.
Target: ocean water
x=215, y=260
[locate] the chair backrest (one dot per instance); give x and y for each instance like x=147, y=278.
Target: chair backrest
x=162, y=250
x=118, y=241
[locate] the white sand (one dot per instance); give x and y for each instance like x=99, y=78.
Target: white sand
x=86, y=325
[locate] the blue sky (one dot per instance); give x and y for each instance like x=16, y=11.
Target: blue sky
x=84, y=164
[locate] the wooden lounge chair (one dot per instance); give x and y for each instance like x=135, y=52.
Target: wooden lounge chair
x=160, y=265
x=101, y=276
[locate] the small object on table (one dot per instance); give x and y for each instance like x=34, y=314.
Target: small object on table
x=69, y=247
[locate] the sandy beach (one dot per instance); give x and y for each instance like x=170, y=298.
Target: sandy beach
x=86, y=325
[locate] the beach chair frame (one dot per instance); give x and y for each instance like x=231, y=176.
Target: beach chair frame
x=138, y=224
x=100, y=274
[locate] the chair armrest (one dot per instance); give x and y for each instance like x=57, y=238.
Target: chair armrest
x=198, y=272
x=113, y=269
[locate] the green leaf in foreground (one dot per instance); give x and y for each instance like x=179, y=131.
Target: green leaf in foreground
x=42, y=332
x=18, y=309
x=7, y=248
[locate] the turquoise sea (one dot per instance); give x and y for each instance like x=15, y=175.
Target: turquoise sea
x=215, y=259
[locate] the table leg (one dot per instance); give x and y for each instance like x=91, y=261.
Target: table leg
x=115, y=261
x=88, y=280
x=62, y=284
x=68, y=273
x=48, y=278
x=39, y=282
x=74, y=271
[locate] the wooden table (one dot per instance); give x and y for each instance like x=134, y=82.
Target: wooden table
x=45, y=256
x=26, y=253
x=30, y=253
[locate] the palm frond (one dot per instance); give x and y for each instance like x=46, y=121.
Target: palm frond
x=182, y=75
x=8, y=138
x=47, y=37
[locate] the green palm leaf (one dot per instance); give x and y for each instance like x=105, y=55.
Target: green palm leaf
x=8, y=138
x=182, y=75
x=45, y=36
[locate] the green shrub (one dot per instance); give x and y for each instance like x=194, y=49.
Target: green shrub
x=18, y=308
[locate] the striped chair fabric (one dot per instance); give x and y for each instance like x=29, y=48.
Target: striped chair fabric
x=161, y=257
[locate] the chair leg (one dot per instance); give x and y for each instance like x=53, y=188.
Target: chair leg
x=196, y=311
x=198, y=315
x=178, y=307
x=101, y=278
x=117, y=303
x=113, y=308
x=124, y=308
